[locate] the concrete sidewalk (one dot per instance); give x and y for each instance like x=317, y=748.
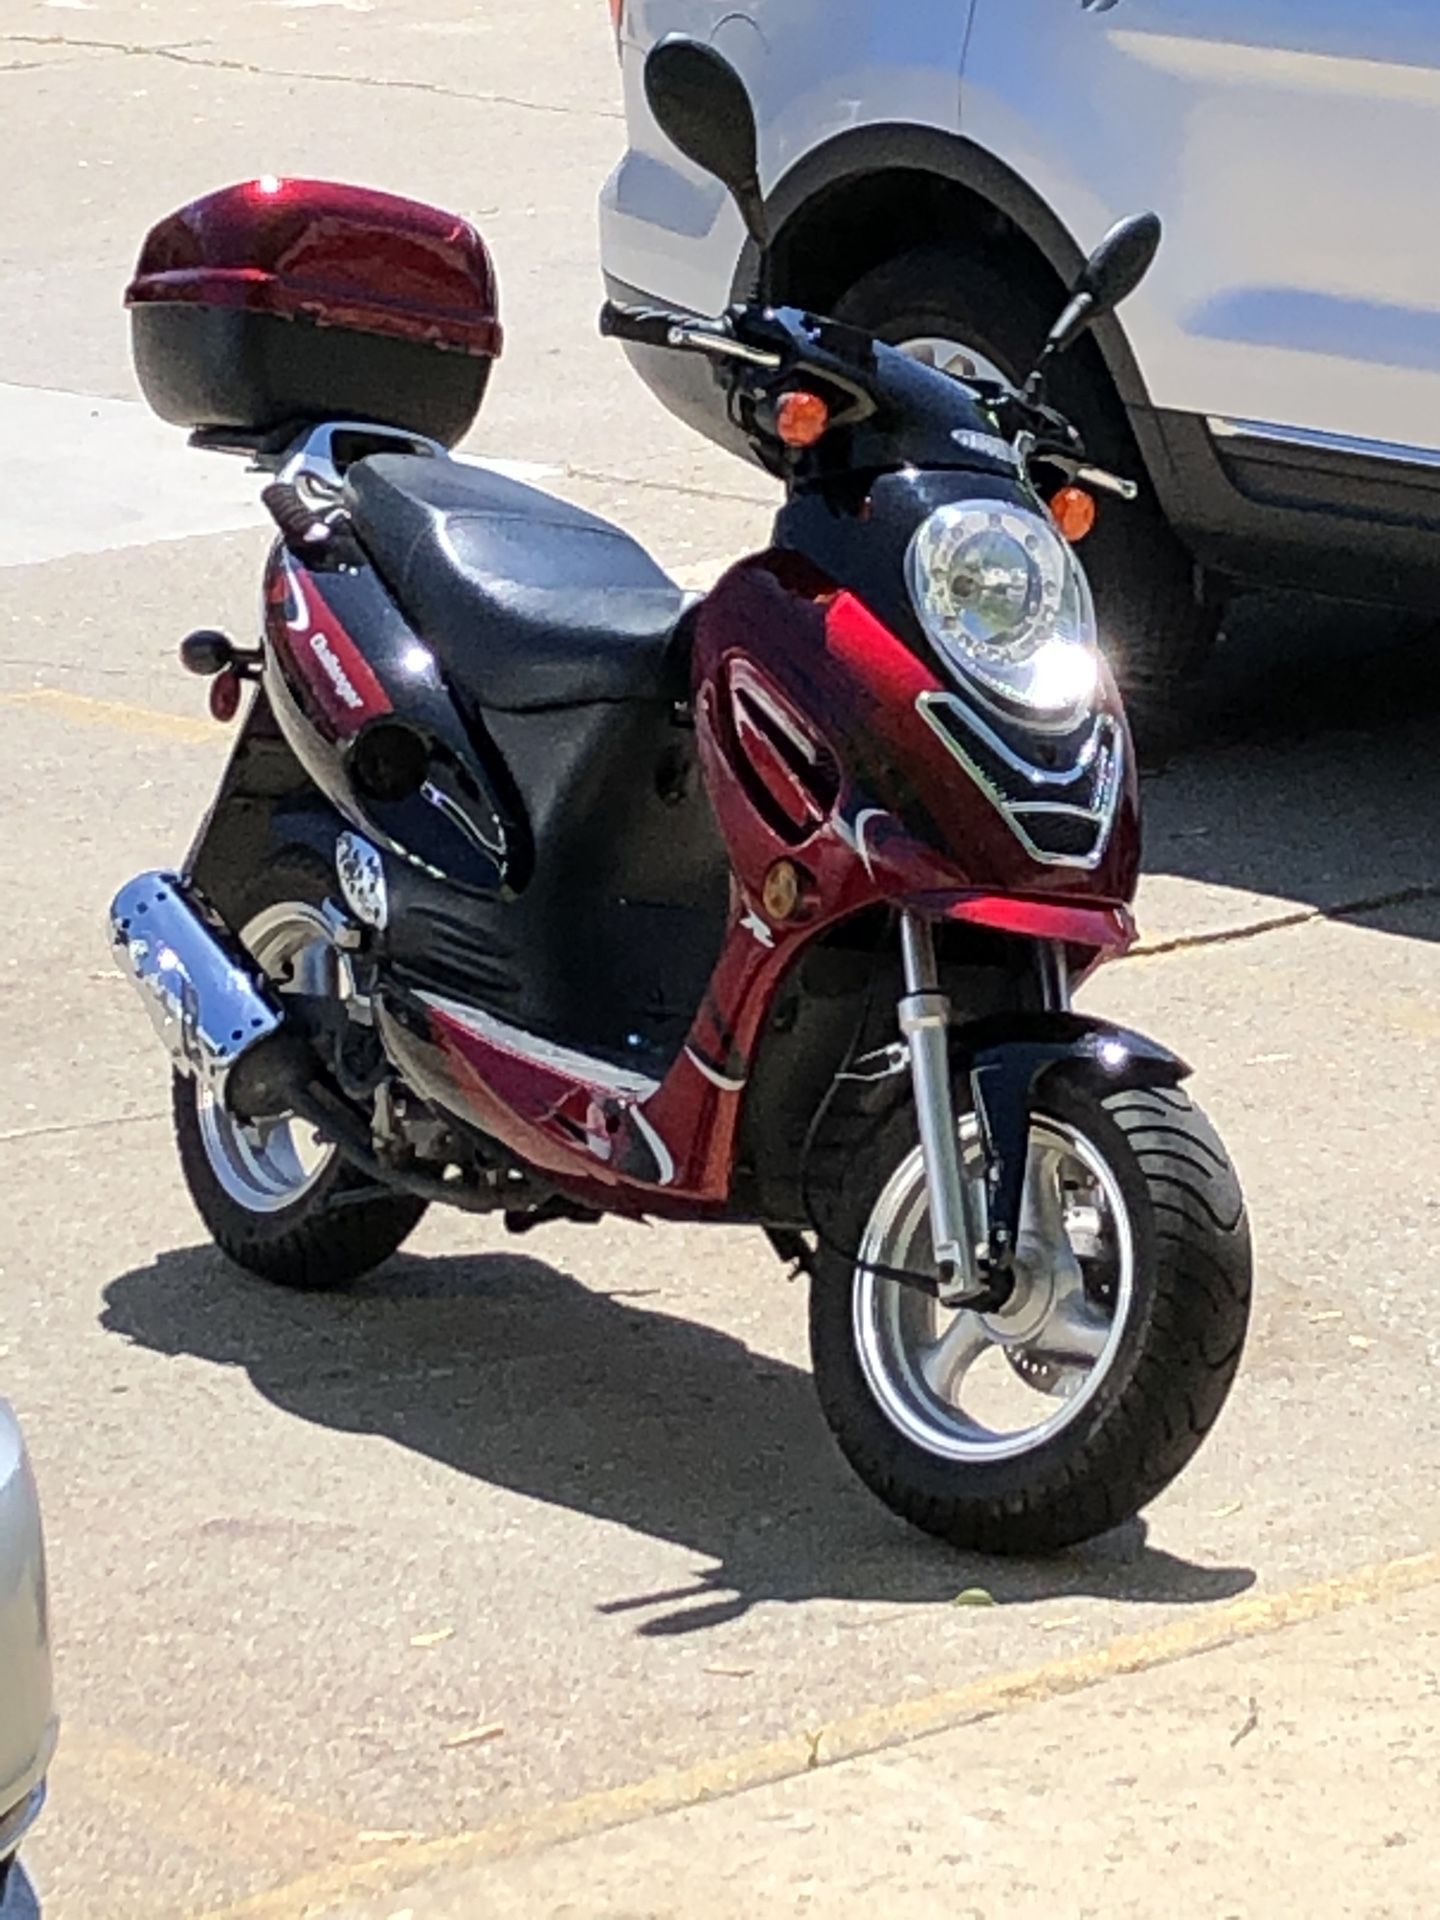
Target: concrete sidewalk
x=1290, y=1769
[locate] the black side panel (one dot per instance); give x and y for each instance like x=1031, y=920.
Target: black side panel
x=417, y=774
x=1310, y=518
x=610, y=945
x=266, y=802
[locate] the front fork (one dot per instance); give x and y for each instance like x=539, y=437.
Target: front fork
x=970, y=1274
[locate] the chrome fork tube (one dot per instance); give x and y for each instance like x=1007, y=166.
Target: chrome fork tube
x=925, y=1022
x=1053, y=965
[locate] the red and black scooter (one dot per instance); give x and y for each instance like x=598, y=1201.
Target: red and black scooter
x=533, y=886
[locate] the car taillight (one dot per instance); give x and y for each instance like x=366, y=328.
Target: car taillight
x=617, y=15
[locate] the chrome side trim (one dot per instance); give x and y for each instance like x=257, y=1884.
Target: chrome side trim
x=17, y=1822
x=590, y=1072
x=664, y=1160
x=1262, y=432
x=206, y=1005
x=456, y=814
x=725, y=1082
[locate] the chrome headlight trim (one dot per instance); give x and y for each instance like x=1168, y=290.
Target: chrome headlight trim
x=1079, y=801
x=1003, y=599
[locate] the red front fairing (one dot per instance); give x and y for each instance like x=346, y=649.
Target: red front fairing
x=814, y=753
x=912, y=818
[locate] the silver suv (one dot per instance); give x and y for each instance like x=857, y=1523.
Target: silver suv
x=936, y=169
x=27, y=1713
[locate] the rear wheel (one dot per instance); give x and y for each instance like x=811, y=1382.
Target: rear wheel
x=969, y=317
x=278, y=1200
x=1028, y=1430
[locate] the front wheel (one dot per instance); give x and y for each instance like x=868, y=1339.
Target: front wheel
x=1028, y=1430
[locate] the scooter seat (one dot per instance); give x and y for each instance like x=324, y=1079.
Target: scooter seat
x=527, y=601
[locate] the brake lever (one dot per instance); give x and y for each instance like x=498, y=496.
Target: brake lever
x=1104, y=482
x=1073, y=462
x=723, y=347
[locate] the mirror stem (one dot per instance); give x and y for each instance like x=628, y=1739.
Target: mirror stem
x=1034, y=389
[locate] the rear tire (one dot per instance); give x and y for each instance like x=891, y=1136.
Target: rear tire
x=1169, y=1362
x=341, y=1224
x=1155, y=628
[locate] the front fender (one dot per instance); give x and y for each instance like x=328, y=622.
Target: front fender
x=1010, y=1057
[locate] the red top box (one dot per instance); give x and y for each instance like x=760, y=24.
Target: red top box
x=282, y=302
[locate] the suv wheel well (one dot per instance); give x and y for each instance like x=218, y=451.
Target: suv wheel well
x=861, y=222
x=855, y=225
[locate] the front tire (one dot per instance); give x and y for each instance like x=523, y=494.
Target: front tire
x=1155, y=628
x=1126, y=1335
x=282, y=1205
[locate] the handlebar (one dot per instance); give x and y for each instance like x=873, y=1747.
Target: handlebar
x=652, y=326
x=1038, y=431
x=674, y=327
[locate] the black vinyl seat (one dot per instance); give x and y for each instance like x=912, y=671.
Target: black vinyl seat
x=527, y=601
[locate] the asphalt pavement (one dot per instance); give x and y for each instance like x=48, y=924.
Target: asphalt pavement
x=525, y=1576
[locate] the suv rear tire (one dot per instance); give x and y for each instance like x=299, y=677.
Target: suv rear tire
x=1156, y=631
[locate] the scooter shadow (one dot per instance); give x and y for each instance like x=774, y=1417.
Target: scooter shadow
x=511, y=1371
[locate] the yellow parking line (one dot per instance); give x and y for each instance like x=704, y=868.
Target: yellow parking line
x=113, y=713
x=863, y=1733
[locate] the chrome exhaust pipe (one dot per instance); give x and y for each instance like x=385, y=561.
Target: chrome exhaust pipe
x=202, y=992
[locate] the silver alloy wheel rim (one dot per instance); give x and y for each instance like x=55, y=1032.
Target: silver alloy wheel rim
x=269, y=1167
x=1057, y=1339
x=954, y=357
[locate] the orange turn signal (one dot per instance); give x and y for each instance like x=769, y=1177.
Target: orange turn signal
x=801, y=418
x=1074, y=512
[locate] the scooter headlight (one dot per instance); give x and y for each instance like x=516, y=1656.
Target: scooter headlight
x=1005, y=600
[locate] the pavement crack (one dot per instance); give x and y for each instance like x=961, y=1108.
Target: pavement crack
x=68, y=42
x=1283, y=922
x=51, y=1129
x=185, y=54
x=1249, y=1724
x=661, y=486
x=1226, y=936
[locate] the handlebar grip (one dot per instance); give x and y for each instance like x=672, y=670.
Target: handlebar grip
x=647, y=326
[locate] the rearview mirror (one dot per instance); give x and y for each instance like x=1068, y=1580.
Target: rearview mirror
x=1111, y=274
x=701, y=105
x=1120, y=262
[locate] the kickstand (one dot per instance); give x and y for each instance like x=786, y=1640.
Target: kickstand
x=793, y=1248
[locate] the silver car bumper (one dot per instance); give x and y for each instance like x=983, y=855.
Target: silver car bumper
x=27, y=1711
